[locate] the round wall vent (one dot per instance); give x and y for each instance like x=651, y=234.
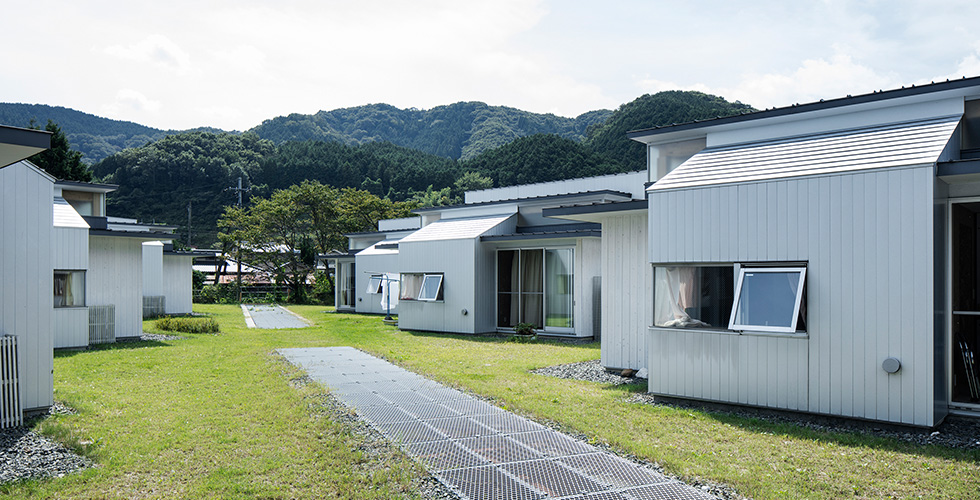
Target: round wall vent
x=891, y=365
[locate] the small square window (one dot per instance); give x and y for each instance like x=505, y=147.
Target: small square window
x=69, y=288
x=374, y=284
x=431, y=289
x=768, y=299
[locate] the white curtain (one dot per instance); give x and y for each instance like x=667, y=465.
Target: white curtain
x=410, y=286
x=676, y=291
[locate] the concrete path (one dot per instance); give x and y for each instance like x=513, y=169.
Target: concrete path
x=272, y=317
x=476, y=449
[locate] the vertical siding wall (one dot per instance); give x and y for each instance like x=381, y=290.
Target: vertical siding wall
x=627, y=291
x=116, y=277
x=457, y=259
x=178, y=284
x=152, y=269
x=27, y=276
x=867, y=239
x=69, y=251
x=365, y=267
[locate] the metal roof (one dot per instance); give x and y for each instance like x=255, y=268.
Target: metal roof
x=879, y=95
x=456, y=229
x=66, y=216
x=894, y=145
x=543, y=235
x=598, y=192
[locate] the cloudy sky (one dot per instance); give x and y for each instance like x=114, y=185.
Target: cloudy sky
x=179, y=64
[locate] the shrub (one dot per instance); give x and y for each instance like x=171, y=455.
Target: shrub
x=524, y=332
x=223, y=293
x=187, y=325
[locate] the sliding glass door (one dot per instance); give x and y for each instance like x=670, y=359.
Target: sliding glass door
x=535, y=286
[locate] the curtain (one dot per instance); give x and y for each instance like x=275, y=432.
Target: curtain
x=559, y=280
x=410, y=286
x=532, y=287
x=676, y=296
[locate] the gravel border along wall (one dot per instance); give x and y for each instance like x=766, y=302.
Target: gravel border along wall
x=25, y=454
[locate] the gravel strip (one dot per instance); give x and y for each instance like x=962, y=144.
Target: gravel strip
x=159, y=337
x=25, y=454
x=954, y=432
x=589, y=371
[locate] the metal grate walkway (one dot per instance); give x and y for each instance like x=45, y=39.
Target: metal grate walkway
x=474, y=448
x=272, y=317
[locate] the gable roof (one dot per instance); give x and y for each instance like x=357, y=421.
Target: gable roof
x=953, y=86
x=456, y=229
x=66, y=216
x=905, y=144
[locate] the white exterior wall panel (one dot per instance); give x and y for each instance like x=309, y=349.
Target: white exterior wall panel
x=69, y=251
x=116, y=277
x=152, y=269
x=627, y=290
x=178, y=284
x=867, y=239
x=365, y=267
x=456, y=259
x=26, y=277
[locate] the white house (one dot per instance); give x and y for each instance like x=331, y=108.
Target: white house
x=99, y=260
x=367, y=277
x=493, y=262
x=168, y=285
x=26, y=215
x=820, y=258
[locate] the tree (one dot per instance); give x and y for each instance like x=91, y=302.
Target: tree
x=470, y=181
x=61, y=161
x=283, y=234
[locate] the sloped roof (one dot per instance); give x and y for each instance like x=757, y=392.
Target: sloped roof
x=456, y=229
x=66, y=216
x=896, y=145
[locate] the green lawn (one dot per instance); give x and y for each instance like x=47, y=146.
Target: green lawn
x=216, y=416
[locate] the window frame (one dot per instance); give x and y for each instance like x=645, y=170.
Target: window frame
x=375, y=288
x=797, y=303
x=439, y=289
x=84, y=287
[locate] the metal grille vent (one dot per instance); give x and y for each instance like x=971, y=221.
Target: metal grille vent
x=411, y=432
x=552, y=478
x=444, y=455
x=499, y=449
x=667, y=491
x=154, y=305
x=10, y=410
x=552, y=444
x=487, y=483
x=102, y=324
x=612, y=470
x=508, y=423
x=459, y=427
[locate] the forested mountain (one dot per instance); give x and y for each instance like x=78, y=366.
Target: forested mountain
x=459, y=131
x=654, y=110
x=93, y=136
x=158, y=179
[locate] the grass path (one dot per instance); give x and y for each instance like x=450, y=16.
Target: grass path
x=215, y=416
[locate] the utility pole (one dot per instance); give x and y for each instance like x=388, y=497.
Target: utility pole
x=238, y=247
x=189, y=225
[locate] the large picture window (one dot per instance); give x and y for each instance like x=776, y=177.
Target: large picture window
x=69, y=288
x=536, y=286
x=768, y=299
x=421, y=286
x=754, y=298
x=693, y=296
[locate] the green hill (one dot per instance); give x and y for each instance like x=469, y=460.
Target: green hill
x=459, y=131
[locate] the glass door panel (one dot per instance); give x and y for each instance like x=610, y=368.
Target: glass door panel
x=559, y=266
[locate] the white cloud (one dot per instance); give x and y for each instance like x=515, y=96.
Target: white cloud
x=812, y=80
x=128, y=102
x=154, y=49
